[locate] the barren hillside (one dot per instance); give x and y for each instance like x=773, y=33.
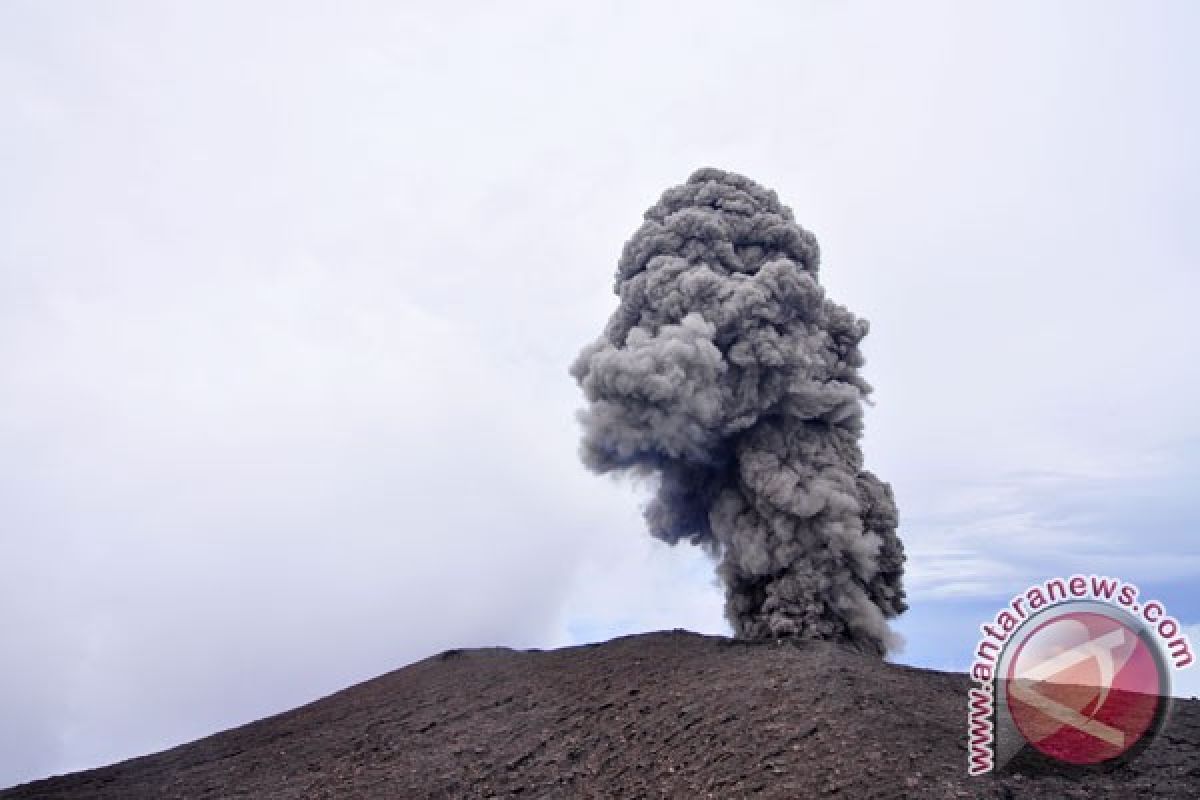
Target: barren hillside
x=656, y=715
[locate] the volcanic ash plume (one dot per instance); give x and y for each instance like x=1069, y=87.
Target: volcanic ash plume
x=726, y=373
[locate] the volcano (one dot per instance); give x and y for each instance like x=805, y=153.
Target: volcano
x=671, y=714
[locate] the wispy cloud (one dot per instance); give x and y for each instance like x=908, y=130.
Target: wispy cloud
x=1186, y=682
x=989, y=538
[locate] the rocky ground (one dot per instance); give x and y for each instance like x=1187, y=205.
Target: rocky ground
x=656, y=715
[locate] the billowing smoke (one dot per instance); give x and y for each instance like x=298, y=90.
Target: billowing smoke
x=727, y=374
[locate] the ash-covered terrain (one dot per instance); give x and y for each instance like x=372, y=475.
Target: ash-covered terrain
x=670, y=714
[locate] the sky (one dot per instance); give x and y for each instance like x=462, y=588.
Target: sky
x=288, y=293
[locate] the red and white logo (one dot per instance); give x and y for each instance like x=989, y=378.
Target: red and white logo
x=1085, y=686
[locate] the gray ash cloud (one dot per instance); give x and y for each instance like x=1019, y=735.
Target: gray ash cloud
x=728, y=375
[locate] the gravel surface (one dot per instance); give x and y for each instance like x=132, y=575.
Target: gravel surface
x=669, y=714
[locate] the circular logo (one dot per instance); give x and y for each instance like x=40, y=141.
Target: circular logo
x=1086, y=685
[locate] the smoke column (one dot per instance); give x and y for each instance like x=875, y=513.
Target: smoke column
x=726, y=373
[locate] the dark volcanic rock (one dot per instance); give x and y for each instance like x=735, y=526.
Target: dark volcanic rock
x=656, y=715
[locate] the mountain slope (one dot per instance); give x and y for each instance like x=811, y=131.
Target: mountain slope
x=656, y=715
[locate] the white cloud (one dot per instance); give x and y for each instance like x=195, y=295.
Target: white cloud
x=1186, y=682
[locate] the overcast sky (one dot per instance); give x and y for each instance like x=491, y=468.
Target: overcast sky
x=288, y=292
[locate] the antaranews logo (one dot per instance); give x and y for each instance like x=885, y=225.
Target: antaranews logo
x=1077, y=668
